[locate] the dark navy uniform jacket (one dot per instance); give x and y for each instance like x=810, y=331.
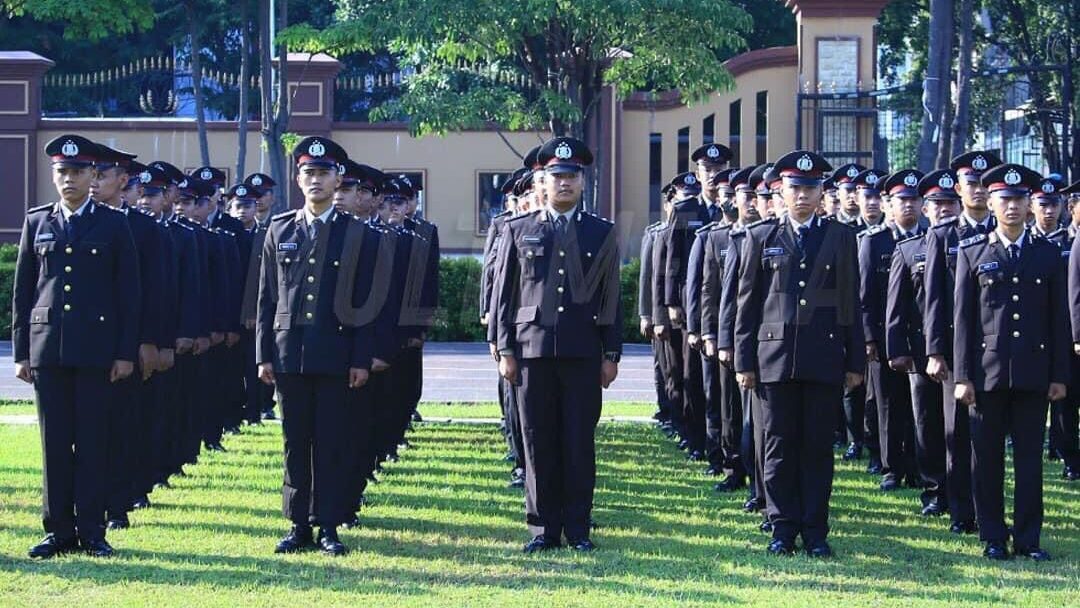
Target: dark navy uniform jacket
x=249, y=304
x=426, y=254
x=695, y=274
x=645, y=274
x=559, y=293
x=906, y=304
x=725, y=331
x=712, y=282
x=942, y=246
x=876, y=246
x=188, y=286
x=76, y=301
x=687, y=217
x=797, y=316
x=491, y=249
x=148, y=243
x=298, y=330
x=1010, y=317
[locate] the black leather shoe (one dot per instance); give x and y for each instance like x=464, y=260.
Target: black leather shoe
x=392, y=458
x=517, y=479
x=713, y=471
x=298, y=538
x=874, y=468
x=352, y=523
x=963, y=527
x=582, y=544
x=684, y=444
x=1070, y=474
x=819, y=549
x=752, y=505
x=269, y=415
x=766, y=527
x=118, y=523
x=781, y=547
x=540, y=543
x=51, y=546
x=416, y=417
x=142, y=502
x=853, y=452
x=934, y=509
x=996, y=551
x=329, y=543
x=232, y=430
x=404, y=445
x=1051, y=456
x=913, y=482
x=889, y=484
x=730, y=483
x=96, y=548
x=216, y=447
x=1033, y=553
x=509, y=457
x=695, y=456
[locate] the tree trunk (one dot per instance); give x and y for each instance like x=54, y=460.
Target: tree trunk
x=245, y=76
x=273, y=121
x=196, y=81
x=963, y=77
x=935, y=90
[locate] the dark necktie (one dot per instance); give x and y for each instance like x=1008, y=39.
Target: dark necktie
x=313, y=231
x=560, y=224
x=73, y=227
x=713, y=209
x=980, y=229
x=800, y=235
x=1014, y=253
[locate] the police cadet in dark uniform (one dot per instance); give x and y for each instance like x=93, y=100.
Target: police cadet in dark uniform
x=797, y=333
x=264, y=207
x=75, y=314
x=135, y=397
x=1011, y=351
x=891, y=388
x=308, y=351
x=255, y=392
x=559, y=319
x=942, y=246
x=905, y=344
x=645, y=321
x=507, y=392
x=843, y=178
x=687, y=217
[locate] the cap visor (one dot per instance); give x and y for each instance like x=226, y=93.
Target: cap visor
x=329, y=164
x=72, y=163
x=563, y=168
x=798, y=180
x=1011, y=192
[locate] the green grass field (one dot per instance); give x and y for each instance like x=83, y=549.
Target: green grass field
x=443, y=530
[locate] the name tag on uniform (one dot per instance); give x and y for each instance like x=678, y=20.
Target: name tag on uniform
x=772, y=251
x=952, y=250
x=920, y=257
x=695, y=223
x=533, y=238
x=920, y=267
x=723, y=253
x=286, y=247
x=989, y=267
x=44, y=237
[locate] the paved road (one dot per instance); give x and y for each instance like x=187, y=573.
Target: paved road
x=453, y=372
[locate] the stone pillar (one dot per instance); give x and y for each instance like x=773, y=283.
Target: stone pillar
x=20, y=111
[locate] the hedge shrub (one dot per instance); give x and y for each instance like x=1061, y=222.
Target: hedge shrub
x=458, y=317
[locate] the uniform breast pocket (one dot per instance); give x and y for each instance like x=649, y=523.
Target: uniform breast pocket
x=46, y=252
x=533, y=261
x=778, y=267
x=992, y=286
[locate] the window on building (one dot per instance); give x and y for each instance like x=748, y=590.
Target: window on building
x=656, y=174
x=489, y=201
x=735, y=131
x=708, y=129
x=683, y=163
x=761, y=126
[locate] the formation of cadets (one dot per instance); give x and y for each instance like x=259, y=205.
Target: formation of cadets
x=924, y=321
x=155, y=311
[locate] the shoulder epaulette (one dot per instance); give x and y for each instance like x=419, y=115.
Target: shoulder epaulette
x=974, y=240
x=601, y=218
x=910, y=238
x=738, y=232
x=763, y=221
x=502, y=214
x=878, y=229
x=182, y=225
x=705, y=228
x=717, y=227
x=949, y=221
x=40, y=208
x=1053, y=234
x=109, y=207
x=284, y=215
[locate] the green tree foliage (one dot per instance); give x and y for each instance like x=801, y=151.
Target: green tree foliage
x=86, y=20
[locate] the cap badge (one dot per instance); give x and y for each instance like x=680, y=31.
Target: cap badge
x=206, y=175
x=910, y=180
x=946, y=182
x=1012, y=177
x=689, y=180
x=1048, y=187
x=316, y=149
x=852, y=172
x=256, y=181
x=872, y=179
x=183, y=183
x=144, y=177
x=713, y=152
x=979, y=163
x=563, y=151
x=241, y=191
x=805, y=163
x=69, y=148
